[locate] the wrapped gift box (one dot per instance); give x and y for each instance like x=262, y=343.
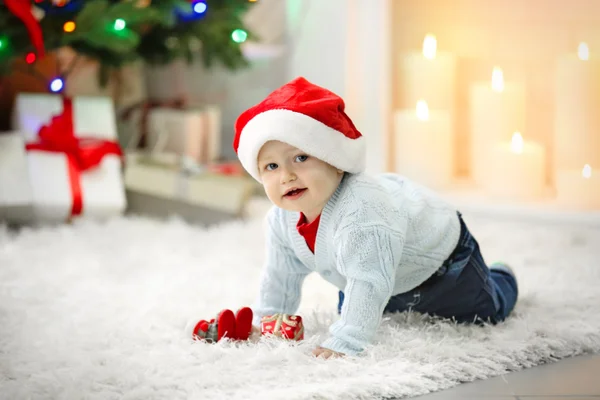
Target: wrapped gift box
x=15, y=188
x=213, y=126
x=176, y=127
x=74, y=166
x=162, y=175
x=178, y=131
x=283, y=325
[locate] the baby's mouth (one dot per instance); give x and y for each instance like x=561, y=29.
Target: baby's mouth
x=294, y=193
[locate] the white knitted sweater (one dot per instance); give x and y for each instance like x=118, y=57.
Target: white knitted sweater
x=377, y=237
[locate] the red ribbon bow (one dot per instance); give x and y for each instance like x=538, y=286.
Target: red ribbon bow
x=22, y=10
x=82, y=153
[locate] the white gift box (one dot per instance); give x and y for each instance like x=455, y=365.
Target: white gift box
x=162, y=175
x=102, y=189
x=15, y=188
x=213, y=128
x=178, y=131
x=193, y=133
x=14, y=177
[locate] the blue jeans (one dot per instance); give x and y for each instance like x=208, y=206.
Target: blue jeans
x=464, y=288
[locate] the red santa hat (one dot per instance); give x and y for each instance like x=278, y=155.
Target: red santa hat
x=305, y=116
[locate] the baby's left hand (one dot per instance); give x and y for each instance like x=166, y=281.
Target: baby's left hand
x=326, y=353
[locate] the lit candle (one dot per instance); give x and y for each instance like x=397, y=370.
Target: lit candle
x=515, y=170
x=583, y=51
x=577, y=120
x=429, y=46
x=422, y=110
x=497, y=79
x=424, y=145
x=579, y=188
x=427, y=74
x=496, y=111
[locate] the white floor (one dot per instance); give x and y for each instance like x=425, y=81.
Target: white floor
x=100, y=311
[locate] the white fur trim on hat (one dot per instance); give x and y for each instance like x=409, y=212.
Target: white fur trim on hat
x=304, y=133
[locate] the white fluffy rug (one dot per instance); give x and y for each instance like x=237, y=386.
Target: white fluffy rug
x=100, y=312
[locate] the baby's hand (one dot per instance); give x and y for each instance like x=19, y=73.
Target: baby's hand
x=326, y=353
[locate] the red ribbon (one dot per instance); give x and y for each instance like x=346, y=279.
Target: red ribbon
x=82, y=153
x=22, y=10
x=229, y=169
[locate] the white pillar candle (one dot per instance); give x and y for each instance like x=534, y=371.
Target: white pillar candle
x=579, y=188
x=428, y=75
x=424, y=146
x=516, y=170
x=497, y=110
x=577, y=105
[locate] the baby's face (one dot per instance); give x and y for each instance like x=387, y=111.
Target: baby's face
x=296, y=181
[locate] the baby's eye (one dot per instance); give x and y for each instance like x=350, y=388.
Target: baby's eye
x=271, y=166
x=301, y=158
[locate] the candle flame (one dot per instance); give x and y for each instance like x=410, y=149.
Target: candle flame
x=429, y=46
x=422, y=110
x=583, y=51
x=587, y=171
x=497, y=80
x=516, y=144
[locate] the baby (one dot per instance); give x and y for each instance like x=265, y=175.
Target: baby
x=387, y=243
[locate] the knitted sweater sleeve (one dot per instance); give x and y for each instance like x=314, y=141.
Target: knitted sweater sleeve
x=367, y=256
x=282, y=277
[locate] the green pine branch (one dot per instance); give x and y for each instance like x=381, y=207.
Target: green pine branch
x=151, y=33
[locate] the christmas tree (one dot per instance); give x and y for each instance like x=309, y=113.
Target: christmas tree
x=116, y=32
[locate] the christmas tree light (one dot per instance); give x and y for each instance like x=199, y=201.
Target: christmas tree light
x=239, y=36
x=69, y=26
x=30, y=58
x=200, y=8
x=119, y=24
x=56, y=85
